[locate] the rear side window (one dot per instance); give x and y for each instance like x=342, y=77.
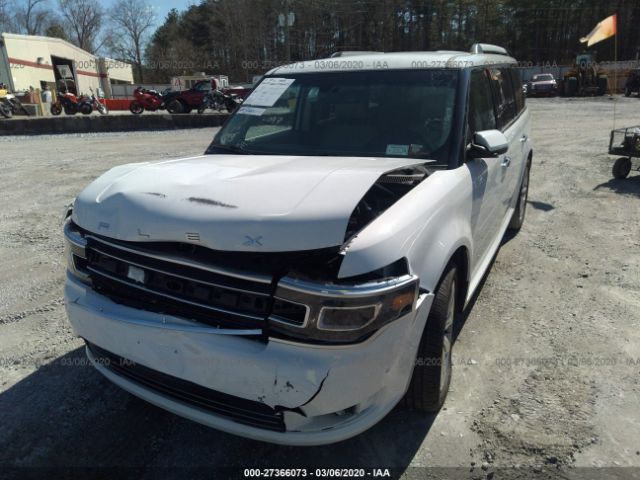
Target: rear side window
x=481, y=112
x=517, y=89
x=504, y=96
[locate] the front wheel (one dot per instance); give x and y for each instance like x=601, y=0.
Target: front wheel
x=5, y=111
x=175, y=107
x=521, y=208
x=86, y=109
x=432, y=370
x=56, y=110
x=232, y=105
x=621, y=168
x=136, y=108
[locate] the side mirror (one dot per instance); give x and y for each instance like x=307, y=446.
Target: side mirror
x=488, y=143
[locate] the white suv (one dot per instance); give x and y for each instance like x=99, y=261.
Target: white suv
x=303, y=276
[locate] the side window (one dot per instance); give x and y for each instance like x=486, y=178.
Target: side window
x=504, y=96
x=517, y=89
x=481, y=112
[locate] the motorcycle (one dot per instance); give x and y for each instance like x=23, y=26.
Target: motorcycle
x=5, y=111
x=96, y=104
x=71, y=104
x=217, y=100
x=150, y=100
x=14, y=104
x=9, y=104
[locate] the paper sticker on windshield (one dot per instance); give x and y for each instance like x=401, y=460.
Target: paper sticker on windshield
x=269, y=91
x=400, y=150
x=251, y=111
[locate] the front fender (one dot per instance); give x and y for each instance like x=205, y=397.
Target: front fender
x=426, y=226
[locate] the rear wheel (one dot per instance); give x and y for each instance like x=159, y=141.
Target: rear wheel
x=432, y=371
x=56, y=110
x=521, y=207
x=621, y=168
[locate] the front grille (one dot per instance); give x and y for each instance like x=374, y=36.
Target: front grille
x=240, y=410
x=138, y=278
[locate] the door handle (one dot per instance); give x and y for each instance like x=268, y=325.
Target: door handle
x=524, y=138
x=506, y=161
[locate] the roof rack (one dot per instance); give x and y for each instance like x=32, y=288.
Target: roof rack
x=480, y=48
x=350, y=53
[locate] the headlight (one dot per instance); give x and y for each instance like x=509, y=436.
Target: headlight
x=340, y=313
x=75, y=250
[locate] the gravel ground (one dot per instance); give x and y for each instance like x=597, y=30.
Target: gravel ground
x=546, y=379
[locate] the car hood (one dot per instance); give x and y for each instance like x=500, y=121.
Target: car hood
x=544, y=82
x=232, y=202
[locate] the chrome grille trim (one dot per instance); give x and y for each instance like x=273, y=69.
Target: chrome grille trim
x=171, y=297
x=183, y=262
x=146, y=267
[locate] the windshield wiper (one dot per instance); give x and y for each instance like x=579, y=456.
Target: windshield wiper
x=228, y=148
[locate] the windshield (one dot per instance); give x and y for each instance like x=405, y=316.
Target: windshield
x=374, y=114
x=542, y=78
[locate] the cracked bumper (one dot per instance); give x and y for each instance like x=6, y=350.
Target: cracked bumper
x=336, y=391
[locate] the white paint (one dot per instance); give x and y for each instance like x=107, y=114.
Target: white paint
x=293, y=203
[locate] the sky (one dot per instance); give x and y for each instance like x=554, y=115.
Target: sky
x=161, y=7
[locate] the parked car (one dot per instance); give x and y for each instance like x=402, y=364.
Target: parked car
x=542, y=84
x=304, y=275
x=633, y=83
x=186, y=100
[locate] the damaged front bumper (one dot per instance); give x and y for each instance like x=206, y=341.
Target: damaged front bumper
x=320, y=393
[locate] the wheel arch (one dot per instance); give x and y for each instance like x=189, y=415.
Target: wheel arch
x=460, y=259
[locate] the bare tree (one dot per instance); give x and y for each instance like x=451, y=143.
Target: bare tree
x=31, y=16
x=6, y=20
x=83, y=19
x=132, y=22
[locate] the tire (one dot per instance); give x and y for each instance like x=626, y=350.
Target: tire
x=627, y=92
x=17, y=106
x=5, y=111
x=621, y=168
x=175, y=107
x=86, y=109
x=231, y=105
x=136, y=107
x=571, y=87
x=521, y=207
x=432, y=371
x=56, y=110
x=603, y=85
x=201, y=110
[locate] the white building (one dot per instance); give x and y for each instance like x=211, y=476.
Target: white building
x=31, y=61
